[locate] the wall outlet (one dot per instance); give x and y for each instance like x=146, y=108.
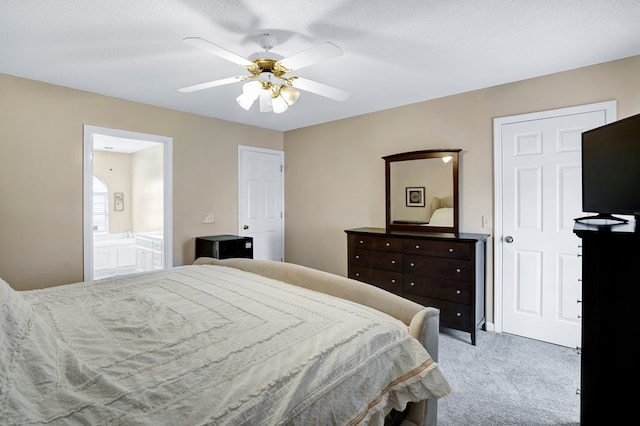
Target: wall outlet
x=487, y=222
x=207, y=218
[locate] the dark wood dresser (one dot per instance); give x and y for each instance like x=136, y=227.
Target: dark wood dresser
x=446, y=271
x=610, y=259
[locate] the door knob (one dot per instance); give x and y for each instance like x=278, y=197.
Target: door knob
x=245, y=227
x=508, y=239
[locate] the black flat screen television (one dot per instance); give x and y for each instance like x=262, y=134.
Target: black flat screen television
x=611, y=172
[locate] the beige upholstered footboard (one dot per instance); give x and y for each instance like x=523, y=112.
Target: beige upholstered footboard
x=423, y=321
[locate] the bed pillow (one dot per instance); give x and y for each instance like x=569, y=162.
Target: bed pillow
x=442, y=217
x=435, y=204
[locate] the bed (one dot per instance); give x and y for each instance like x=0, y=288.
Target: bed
x=441, y=211
x=219, y=342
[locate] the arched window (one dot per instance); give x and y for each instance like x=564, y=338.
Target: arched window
x=100, y=223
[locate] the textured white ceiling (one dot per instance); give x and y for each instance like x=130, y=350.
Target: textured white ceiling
x=395, y=53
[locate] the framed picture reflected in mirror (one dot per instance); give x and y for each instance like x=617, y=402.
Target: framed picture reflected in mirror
x=415, y=196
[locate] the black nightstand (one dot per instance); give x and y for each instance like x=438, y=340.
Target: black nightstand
x=224, y=246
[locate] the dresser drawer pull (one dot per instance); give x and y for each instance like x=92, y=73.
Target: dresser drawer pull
x=457, y=291
x=393, y=281
x=412, y=264
x=450, y=250
x=417, y=246
x=357, y=274
x=387, y=244
x=458, y=270
x=458, y=314
x=393, y=262
x=412, y=284
x=361, y=242
x=357, y=256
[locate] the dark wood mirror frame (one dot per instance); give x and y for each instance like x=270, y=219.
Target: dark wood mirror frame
x=394, y=225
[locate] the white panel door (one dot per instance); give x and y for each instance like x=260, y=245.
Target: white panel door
x=541, y=194
x=261, y=209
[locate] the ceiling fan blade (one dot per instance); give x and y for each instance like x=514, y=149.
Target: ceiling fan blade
x=312, y=55
x=210, y=84
x=207, y=46
x=320, y=89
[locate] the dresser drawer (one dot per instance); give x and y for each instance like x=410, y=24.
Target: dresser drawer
x=449, y=249
x=380, y=243
x=453, y=291
x=451, y=269
x=388, y=261
x=387, y=280
x=452, y=315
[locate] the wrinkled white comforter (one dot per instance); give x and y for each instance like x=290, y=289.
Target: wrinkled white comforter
x=203, y=344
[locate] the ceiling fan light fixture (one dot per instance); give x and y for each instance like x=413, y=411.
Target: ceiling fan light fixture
x=245, y=101
x=289, y=94
x=250, y=92
x=279, y=104
x=269, y=79
x=252, y=88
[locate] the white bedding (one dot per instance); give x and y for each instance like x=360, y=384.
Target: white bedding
x=442, y=217
x=203, y=344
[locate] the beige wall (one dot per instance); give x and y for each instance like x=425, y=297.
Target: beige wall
x=147, y=189
x=335, y=173
x=115, y=171
x=41, y=169
x=139, y=177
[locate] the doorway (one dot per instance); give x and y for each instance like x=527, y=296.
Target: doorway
x=128, y=222
x=537, y=175
x=261, y=200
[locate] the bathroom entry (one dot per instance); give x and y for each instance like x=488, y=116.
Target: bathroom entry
x=127, y=202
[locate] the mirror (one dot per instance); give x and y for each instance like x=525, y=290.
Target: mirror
x=422, y=191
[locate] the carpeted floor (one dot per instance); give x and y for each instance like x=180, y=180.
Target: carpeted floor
x=508, y=380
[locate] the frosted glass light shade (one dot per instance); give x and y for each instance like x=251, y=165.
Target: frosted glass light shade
x=245, y=101
x=276, y=98
x=252, y=88
x=289, y=94
x=250, y=92
x=279, y=105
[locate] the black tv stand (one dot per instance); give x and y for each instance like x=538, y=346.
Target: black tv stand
x=602, y=219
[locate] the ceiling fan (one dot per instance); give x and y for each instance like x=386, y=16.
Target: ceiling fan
x=269, y=77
